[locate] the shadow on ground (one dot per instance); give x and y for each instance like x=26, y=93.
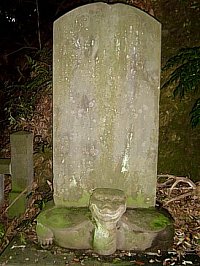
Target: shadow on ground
x=29, y=254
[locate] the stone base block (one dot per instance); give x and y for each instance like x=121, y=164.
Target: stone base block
x=138, y=229
x=142, y=229
x=68, y=227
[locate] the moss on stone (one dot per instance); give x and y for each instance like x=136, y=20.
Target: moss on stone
x=159, y=222
x=19, y=206
x=42, y=231
x=63, y=217
x=81, y=202
x=148, y=219
x=138, y=202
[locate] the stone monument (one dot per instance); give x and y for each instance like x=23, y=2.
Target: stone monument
x=106, y=75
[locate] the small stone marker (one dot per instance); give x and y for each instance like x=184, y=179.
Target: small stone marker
x=21, y=168
x=21, y=160
x=5, y=166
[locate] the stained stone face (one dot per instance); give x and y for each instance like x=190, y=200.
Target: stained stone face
x=107, y=204
x=106, y=66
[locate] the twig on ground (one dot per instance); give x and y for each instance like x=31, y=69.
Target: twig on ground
x=178, y=180
x=16, y=199
x=191, y=193
x=183, y=180
x=30, y=213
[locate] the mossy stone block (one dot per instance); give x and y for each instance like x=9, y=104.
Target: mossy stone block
x=19, y=206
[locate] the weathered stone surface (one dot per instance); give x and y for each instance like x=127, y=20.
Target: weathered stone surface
x=21, y=170
x=21, y=160
x=19, y=206
x=107, y=206
x=106, y=90
x=138, y=229
x=69, y=228
x=163, y=239
x=5, y=166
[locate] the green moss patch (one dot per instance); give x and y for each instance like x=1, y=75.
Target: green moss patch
x=160, y=222
x=148, y=219
x=63, y=217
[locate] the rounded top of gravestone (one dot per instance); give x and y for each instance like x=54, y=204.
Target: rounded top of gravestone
x=121, y=8
x=140, y=4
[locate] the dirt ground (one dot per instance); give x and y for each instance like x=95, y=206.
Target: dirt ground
x=31, y=254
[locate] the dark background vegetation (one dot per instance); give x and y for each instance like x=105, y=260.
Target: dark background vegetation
x=26, y=79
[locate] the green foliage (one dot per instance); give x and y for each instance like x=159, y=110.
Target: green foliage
x=22, y=238
x=189, y=4
x=185, y=76
x=195, y=113
x=22, y=94
x=2, y=230
x=40, y=204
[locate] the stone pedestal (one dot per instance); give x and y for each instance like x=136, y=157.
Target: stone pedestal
x=105, y=226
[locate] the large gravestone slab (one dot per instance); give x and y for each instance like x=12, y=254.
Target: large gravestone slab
x=106, y=66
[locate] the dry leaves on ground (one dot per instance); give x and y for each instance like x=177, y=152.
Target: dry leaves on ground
x=181, y=197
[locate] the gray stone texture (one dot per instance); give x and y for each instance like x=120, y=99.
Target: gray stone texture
x=106, y=69
x=67, y=227
x=137, y=230
x=107, y=206
x=21, y=160
x=140, y=230
x=5, y=166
